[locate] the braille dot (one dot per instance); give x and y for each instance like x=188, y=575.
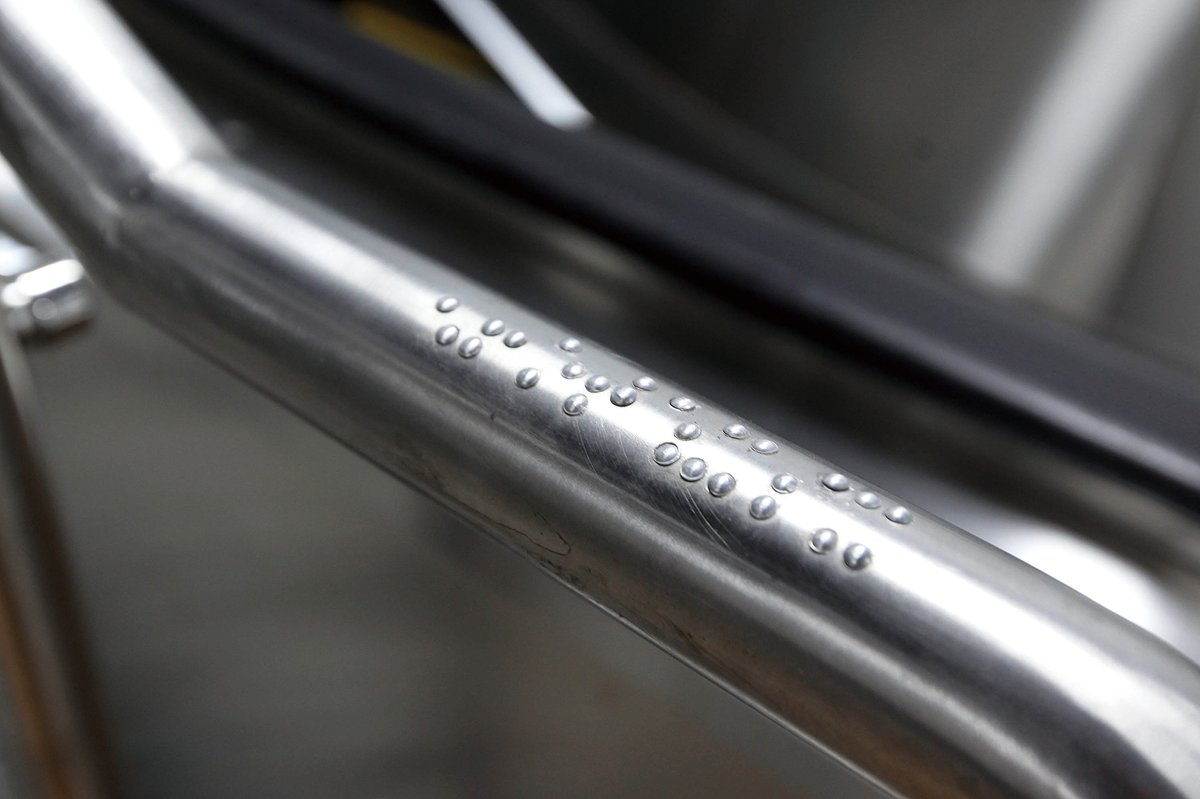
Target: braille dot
x=822, y=541
x=645, y=383
x=763, y=507
x=574, y=405
x=528, y=378
x=492, y=327
x=683, y=403
x=570, y=344
x=597, y=383
x=857, y=557
x=446, y=334
x=898, y=514
x=868, y=499
x=693, y=469
x=515, y=339
x=447, y=304
x=836, y=482
x=573, y=370
x=688, y=431
x=785, y=483
x=765, y=446
x=737, y=431
x=721, y=485
x=623, y=396
x=470, y=348
x=666, y=453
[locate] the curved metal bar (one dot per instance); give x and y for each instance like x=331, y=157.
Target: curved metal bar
x=930, y=660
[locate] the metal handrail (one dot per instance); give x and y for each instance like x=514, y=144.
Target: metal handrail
x=931, y=661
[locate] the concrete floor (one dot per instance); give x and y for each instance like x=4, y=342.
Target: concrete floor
x=274, y=617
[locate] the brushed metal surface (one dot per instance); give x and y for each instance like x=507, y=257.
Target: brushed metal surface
x=934, y=662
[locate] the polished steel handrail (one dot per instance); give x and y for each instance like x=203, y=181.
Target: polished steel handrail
x=928, y=659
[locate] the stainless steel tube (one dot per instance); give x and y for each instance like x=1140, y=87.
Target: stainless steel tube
x=935, y=663
x=47, y=680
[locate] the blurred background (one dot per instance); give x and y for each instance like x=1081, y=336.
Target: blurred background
x=269, y=615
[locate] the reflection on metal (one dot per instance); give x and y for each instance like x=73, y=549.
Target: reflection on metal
x=42, y=652
x=517, y=62
x=1060, y=212
x=42, y=290
x=1017, y=143
x=23, y=221
x=47, y=299
x=930, y=660
x=43, y=666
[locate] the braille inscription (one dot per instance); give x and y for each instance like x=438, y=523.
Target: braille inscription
x=835, y=482
x=763, y=507
x=666, y=453
x=470, y=347
x=693, y=469
x=528, y=378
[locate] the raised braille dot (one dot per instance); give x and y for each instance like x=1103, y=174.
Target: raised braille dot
x=898, y=514
x=868, y=499
x=645, y=383
x=721, y=485
x=515, y=339
x=683, y=403
x=570, y=344
x=835, y=482
x=666, y=453
x=765, y=446
x=822, y=541
x=447, y=304
x=597, y=383
x=574, y=405
x=623, y=396
x=785, y=483
x=528, y=378
x=763, y=507
x=737, y=430
x=693, y=469
x=573, y=370
x=446, y=334
x=492, y=327
x=857, y=557
x=688, y=431
x=470, y=348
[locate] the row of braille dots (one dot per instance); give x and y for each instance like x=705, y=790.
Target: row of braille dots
x=471, y=346
x=823, y=541
x=528, y=377
x=838, y=483
x=722, y=484
x=622, y=396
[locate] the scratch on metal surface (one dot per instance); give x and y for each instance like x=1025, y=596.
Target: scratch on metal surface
x=700, y=515
x=624, y=452
x=583, y=445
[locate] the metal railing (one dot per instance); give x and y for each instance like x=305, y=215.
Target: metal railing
x=931, y=661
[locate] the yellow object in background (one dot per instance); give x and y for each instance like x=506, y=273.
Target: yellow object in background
x=414, y=39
